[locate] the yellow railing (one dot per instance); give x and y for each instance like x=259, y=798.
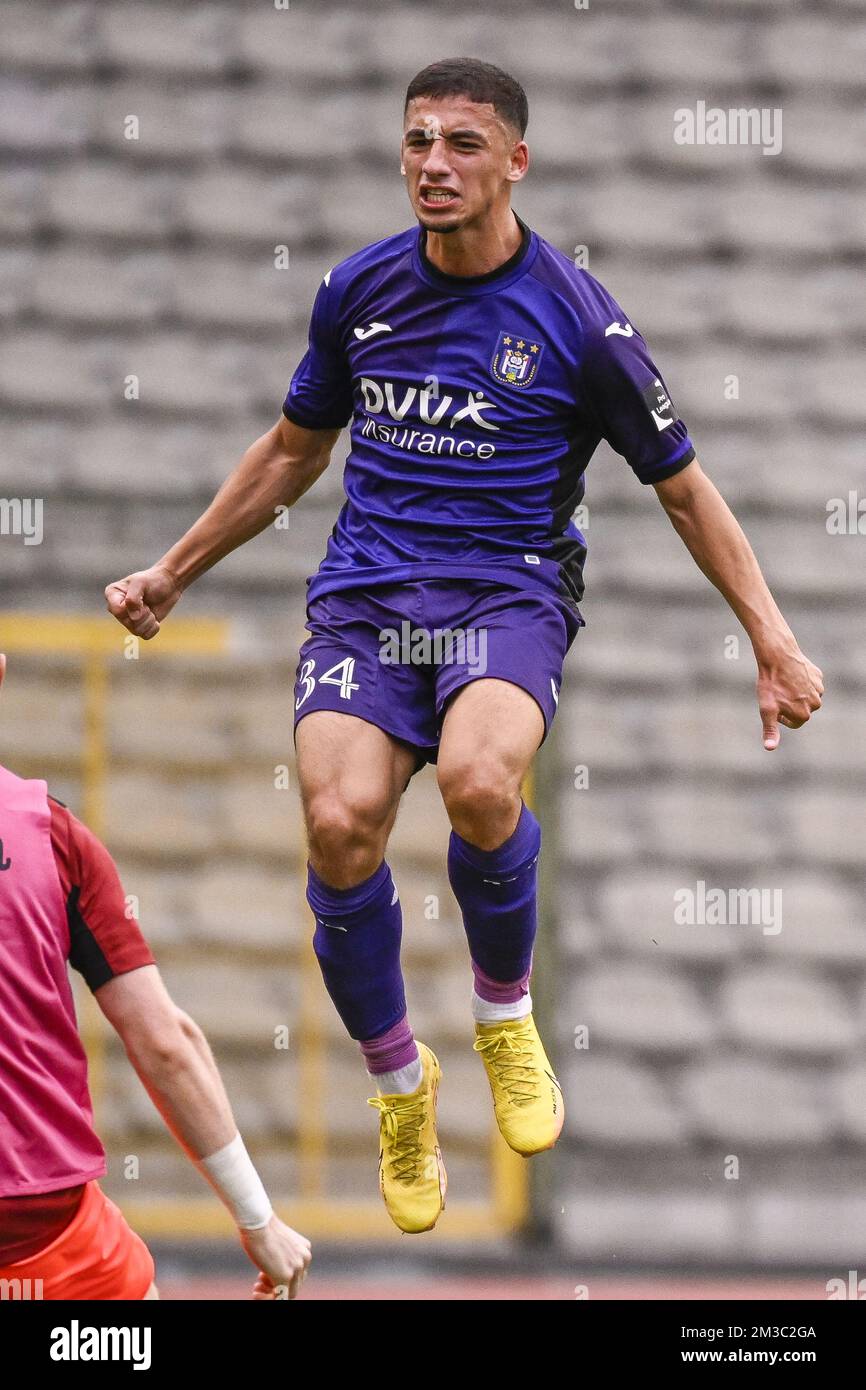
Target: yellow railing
x=94, y=642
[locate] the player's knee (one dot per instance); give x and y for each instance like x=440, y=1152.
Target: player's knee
x=338, y=822
x=476, y=795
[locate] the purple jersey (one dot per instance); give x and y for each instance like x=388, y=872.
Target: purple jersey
x=476, y=404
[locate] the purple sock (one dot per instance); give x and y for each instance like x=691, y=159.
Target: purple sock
x=357, y=943
x=496, y=890
x=497, y=992
x=391, y=1050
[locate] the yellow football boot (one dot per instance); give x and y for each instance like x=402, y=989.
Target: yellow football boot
x=412, y=1176
x=527, y=1098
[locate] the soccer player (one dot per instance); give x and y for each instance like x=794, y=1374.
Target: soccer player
x=479, y=369
x=61, y=901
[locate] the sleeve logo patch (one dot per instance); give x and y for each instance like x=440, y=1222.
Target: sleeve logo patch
x=624, y=330
x=659, y=404
x=516, y=359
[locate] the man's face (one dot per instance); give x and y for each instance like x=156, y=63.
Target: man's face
x=460, y=158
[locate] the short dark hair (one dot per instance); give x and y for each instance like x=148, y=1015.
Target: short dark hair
x=481, y=82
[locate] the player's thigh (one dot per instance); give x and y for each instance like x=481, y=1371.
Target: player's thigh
x=346, y=760
x=491, y=728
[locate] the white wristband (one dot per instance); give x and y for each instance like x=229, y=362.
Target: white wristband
x=232, y=1174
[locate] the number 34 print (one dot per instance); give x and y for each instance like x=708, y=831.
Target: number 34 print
x=341, y=674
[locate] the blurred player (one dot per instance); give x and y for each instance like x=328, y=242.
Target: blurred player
x=61, y=901
x=480, y=369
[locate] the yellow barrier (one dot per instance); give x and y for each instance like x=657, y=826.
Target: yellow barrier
x=95, y=641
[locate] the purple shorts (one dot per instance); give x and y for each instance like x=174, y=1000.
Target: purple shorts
x=394, y=654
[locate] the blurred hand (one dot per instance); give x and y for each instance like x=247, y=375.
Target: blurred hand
x=142, y=600
x=282, y=1256
x=789, y=691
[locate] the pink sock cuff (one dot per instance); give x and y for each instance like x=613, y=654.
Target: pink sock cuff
x=391, y=1050
x=499, y=991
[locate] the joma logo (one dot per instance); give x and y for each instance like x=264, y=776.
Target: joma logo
x=4, y=862
x=379, y=399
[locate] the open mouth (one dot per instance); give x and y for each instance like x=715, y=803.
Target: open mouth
x=438, y=197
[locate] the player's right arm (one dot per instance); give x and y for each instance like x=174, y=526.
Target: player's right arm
x=171, y=1055
x=167, y=1049
x=274, y=472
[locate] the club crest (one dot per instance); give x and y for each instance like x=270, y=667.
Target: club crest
x=516, y=359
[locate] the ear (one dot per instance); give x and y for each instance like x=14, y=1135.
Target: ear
x=518, y=162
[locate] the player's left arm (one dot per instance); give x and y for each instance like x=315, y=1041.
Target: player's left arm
x=789, y=686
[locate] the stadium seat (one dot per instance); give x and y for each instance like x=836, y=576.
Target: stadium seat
x=741, y=1099
x=779, y=1009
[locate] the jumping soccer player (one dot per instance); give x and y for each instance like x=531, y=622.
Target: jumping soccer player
x=480, y=369
x=61, y=901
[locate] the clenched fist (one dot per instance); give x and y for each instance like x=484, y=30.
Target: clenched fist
x=283, y=1257
x=142, y=600
x=789, y=690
